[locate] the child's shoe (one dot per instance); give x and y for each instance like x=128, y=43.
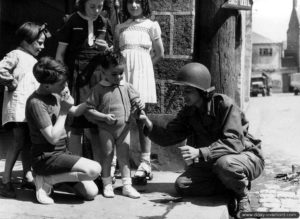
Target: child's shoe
x=42, y=190
x=131, y=192
x=143, y=173
x=108, y=191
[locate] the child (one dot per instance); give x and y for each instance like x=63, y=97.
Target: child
x=135, y=38
x=46, y=112
x=16, y=75
x=84, y=35
x=111, y=100
x=223, y=154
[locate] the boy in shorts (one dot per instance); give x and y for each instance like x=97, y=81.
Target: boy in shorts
x=46, y=112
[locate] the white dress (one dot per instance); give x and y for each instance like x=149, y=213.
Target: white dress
x=20, y=64
x=135, y=43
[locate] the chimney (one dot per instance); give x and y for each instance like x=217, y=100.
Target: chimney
x=295, y=3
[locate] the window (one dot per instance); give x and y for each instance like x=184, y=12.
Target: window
x=265, y=51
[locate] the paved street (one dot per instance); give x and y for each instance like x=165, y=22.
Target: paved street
x=276, y=121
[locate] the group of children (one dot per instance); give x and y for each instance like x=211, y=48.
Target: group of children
x=225, y=157
x=104, y=100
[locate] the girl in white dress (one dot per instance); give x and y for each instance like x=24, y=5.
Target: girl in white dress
x=139, y=41
x=17, y=77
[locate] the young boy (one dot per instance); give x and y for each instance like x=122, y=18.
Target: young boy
x=224, y=156
x=46, y=112
x=110, y=104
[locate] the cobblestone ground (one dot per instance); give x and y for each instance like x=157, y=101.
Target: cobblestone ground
x=275, y=120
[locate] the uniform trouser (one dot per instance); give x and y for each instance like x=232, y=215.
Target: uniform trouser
x=231, y=173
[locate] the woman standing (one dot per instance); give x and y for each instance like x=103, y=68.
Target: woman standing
x=139, y=40
x=16, y=74
x=85, y=34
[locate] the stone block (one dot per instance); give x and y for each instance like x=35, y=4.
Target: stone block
x=268, y=191
x=167, y=68
x=267, y=196
x=270, y=205
x=161, y=5
x=164, y=22
x=269, y=200
x=286, y=195
x=182, y=5
x=173, y=100
x=289, y=203
x=183, y=35
x=172, y=5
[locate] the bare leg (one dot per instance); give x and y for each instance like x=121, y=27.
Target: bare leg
x=123, y=158
x=107, y=151
x=13, y=153
x=144, y=170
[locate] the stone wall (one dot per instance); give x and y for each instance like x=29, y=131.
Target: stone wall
x=176, y=19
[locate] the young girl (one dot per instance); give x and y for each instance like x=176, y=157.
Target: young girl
x=84, y=35
x=16, y=75
x=135, y=38
x=46, y=112
x=111, y=101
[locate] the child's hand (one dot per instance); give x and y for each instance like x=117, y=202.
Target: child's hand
x=144, y=118
x=66, y=101
x=110, y=119
x=140, y=104
x=101, y=44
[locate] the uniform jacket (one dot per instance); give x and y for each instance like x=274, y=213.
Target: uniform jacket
x=218, y=128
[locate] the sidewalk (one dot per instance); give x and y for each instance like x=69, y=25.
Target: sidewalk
x=159, y=200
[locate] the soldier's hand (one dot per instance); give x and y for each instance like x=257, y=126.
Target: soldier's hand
x=188, y=152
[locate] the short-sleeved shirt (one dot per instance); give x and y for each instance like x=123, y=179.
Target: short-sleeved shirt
x=74, y=33
x=113, y=99
x=42, y=111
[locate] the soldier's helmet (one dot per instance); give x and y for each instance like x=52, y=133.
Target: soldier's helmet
x=195, y=75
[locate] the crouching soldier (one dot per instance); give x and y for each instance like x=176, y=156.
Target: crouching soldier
x=225, y=157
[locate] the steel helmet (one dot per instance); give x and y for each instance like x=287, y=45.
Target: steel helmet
x=195, y=75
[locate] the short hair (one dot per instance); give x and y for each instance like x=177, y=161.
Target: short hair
x=29, y=32
x=80, y=5
x=49, y=71
x=145, y=8
x=109, y=58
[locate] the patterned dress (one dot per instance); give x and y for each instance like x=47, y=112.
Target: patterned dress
x=20, y=64
x=135, y=43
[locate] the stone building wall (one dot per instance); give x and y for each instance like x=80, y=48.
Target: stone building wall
x=176, y=19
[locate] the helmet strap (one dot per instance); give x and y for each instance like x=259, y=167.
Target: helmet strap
x=208, y=93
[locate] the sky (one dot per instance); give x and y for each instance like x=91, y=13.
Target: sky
x=271, y=18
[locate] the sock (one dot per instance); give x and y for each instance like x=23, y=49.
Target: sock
x=106, y=180
x=145, y=157
x=126, y=181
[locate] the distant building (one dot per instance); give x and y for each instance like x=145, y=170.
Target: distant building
x=267, y=59
x=274, y=58
x=291, y=60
